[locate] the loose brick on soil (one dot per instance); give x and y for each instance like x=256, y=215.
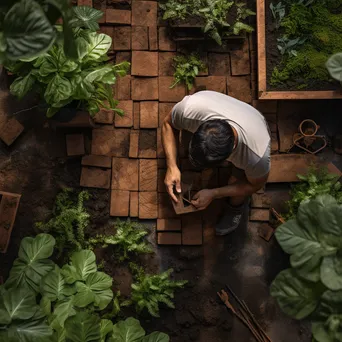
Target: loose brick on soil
x=149, y=114
x=125, y=175
x=148, y=205
x=75, y=144
x=160, y=149
x=148, y=144
x=115, y=16
x=122, y=38
x=166, y=94
x=119, y=203
x=123, y=88
x=144, y=63
x=168, y=238
x=144, y=88
x=134, y=144
x=134, y=204
x=93, y=177
x=11, y=131
x=148, y=174
x=153, y=38
x=169, y=225
x=97, y=161
x=144, y=13
x=259, y=215
x=127, y=119
x=165, y=207
x=136, y=115
x=139, y=38
x=104, y=116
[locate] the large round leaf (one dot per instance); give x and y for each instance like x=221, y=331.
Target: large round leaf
x=99, y=45
x=62, y=311
x=127, y=331
x=296, y=297
x=27, y=31
x=106, y=327
x=82, y=327
x=334, y=65
x=330, y=218
x=320, y=333
x=58, y=89
x=22, y=85
x=156, y=337
x=331, y=272
x=39, y=247
x=85, y=16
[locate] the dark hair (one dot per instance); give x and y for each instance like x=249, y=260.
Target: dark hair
x=212, y=143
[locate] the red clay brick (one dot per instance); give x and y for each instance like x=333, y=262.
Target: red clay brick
x=122, y=38
x=111, y=142
x=165, y=41
x=192, y=233
x=259, y=215
x=240, y=62
x=219, y=64
x=97, y=161
x=125, y=174
x=166, y=63
x=148, y=144
x=217, y=83
x=170, y=95
x=88, y=3
x=265, y=231
x=161, y=178
x=104, y=116
x=149, y=114
x=165, y=207
x=148, y=205
x=160, y=148
x=240, y=88
x=109, y=31
x=169, y=225
x=10, y=131
x=148, y=171
x=139, y=38
x=144, y=13
x=115, y=16
x=93, y=177
x=134, y=204
x=134, y=144
x=266, y=107
x=260, y=201
x=274, y=142
x=144, y=63
x=123, y=56
x=145, y=88
x=123, y=88
x=164, y=109
x=136, y=115
x=153, y=38
x=119, y=203
x=127, y=119
x=200, y=84
x=75, y=144
x=166, y=238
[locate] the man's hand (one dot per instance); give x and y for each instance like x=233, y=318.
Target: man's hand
x=202, y=199
x=173, y=179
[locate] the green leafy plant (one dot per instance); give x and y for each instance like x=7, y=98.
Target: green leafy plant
x=289, y=46
x=318, y=181
x=334, y=66
x=312, y=287
x=278, y=13
x=129, y=238
x=212, y=13
x=150, y=290
x=84, y=82
x=69, y=221
x=186, y=69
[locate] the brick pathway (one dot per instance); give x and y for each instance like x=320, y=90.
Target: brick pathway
x=134, y=141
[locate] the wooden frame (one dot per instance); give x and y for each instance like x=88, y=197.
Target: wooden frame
x=263, y=93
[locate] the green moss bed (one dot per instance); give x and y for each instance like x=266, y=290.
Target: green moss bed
x=319, y=24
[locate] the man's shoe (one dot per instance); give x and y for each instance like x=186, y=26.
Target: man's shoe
x=230, y=221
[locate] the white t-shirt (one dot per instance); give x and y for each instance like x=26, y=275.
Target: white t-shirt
x=252, y=153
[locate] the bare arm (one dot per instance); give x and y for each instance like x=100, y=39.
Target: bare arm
x=173, y=175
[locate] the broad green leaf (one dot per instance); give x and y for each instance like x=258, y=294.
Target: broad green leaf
x=81, y=47
x=127, y=331
x=22, y=85
x=97, y=74
x=84, y=295
x=296, y=297
x=156, y=337
x=331, y=272
x=5, y=317
x=58, y=89
x=62, y=311
x=330, y=216
x=27, y=31
x=106, y=327
x=320, y=333
x=45, y=305
x=99, y=45
x=39, y=247
x=65, y=64
x=87, y=17
x=334, y=65
x=47, y=68
x=83, y=327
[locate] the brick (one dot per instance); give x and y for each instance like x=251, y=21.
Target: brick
x=217, y=83
x=160, y=148
x=144, y=13
x=165, y=41
x=125, y=174
x=123, y=56
x=144, y=63
x=240, y=88
x=165, y=207
x=145, y=88
x=265, y=231
x=209, y=178
x=265, y=107
x=200, y=84
x=260, y=201
x=93, y=177
x=240, y=62
x=169, y=225
x=88, y=3
x=148, y=144
x=82, y=119
x=139, y=38
x=10, y=131
x=219, y=64
x=148, y=205
x=164, y=109
x=274, y=142
x=149, y=114
x=104, y=116
x=170, y=95
x=148, y=172
x=97, y=161
x=192, y=233
x=75, y=144
x=134, y=144
x=167, y=238
x=110, y=142
x=119, y=203
x=123, y=88
x=122, y=38
x=136, y=115
x=134, y=204
x=161, y=177
x=166, y=62
x=259, y=215
x=153, y=38
x=127, y=119
x=109, y=31
x=116, y=16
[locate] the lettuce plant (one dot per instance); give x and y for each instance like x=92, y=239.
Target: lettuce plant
x=312, y=287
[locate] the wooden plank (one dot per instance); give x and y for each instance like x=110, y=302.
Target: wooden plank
x=261, y=32
x=300, y=95
x=285, y=167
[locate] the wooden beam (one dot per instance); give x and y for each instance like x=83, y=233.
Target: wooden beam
x=300, y=95
x=261, y=33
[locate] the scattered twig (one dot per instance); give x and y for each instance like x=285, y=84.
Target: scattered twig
x=277, y=216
